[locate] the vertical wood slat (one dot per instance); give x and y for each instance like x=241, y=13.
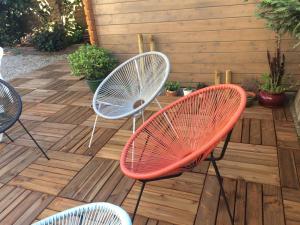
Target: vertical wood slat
x=90, y=20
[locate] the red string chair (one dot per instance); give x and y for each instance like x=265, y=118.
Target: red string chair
x=181, y=135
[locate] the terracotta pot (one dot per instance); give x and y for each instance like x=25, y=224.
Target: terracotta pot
x=171, y=93
x=271, y=100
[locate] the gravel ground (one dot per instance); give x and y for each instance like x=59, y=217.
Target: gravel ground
x=17, y=65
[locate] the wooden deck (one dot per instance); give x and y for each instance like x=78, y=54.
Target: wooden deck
x=261, y=169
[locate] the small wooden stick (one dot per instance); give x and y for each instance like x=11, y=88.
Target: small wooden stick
x=228, y=76
x=217, y=77
x=152, y=43
x=141, y=43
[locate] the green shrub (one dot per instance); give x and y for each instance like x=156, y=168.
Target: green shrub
x=172, y=85
x=12, y=18
x=92, y=62
x=51, y=39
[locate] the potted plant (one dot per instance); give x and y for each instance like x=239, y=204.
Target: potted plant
x=187, y=90
x=201, y=85
x=272, y=88
x=251, y=86
x=92, y=63
x=172, y=88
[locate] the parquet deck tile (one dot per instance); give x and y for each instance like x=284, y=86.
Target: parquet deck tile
x=71, y=115
x=254, y=163
x=38, y=95
x=63, y=97
x=57, y=205
x=41, y=111
x=47, y=134
x=35, y=83
x=79, y=86
x=97, y=181
x=23, y=91
x=261, y=168
x=50, y=176
x=164, y=200
x=14, y=159
x=53, y=74
x=286, y=135
x=19, y=206
x=59, y=85
x=113, y=148
x=291, y=201
x=77, y=140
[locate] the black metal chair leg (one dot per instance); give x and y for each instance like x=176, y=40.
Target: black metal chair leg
x=8, y=137
x=222, y=190
x=34, y=140
x=138, y=201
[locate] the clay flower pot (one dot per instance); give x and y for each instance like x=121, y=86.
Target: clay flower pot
x=171, y=93
x=271, y=100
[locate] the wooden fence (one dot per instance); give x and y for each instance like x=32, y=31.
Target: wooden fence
x=199, y=36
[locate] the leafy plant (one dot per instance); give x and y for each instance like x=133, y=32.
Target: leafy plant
x=273, y=82
x=92, y=62
x=51, y=39
x=201, y=85
x=189, y=88
x=282, y=16
x=172, y=85
x=12, y=17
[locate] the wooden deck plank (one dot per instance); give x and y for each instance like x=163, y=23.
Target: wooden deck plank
x=272, y=205
x=254, y=209
x=50, y=181
x=288, y=171
x=22, y=206
x=207, y=211
x=255, y=132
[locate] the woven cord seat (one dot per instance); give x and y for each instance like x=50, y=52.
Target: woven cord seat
x=10, y=111
x=90, y=214
x=178, y=137
x=131, y=87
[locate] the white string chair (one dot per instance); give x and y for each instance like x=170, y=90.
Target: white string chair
x=1, y=55
x=131, y=87
x=100, y=213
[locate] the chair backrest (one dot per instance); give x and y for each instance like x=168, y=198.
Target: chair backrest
x=132, y=85
x=1, y=55
x=10, y=106
x=95, y=213
x=185, y=131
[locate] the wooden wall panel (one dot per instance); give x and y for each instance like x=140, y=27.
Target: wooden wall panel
x=199, y=36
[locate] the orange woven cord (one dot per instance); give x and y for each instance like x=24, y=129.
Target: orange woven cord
x=183, y=132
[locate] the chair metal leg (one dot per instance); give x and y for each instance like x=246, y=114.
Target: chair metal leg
x=138, y=200
x=93, y=131
x=222, y=189
x=8, y=137
x=34, y=140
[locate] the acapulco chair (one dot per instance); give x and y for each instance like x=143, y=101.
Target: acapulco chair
x=181, y=135
x=131, y=87
x=10, y=111
x=90, y=214
x=1, y=55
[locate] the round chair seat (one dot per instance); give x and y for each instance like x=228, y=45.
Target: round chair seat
x=131, y=86
x=10, y=106
x=101, y=213
x=182, y=133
